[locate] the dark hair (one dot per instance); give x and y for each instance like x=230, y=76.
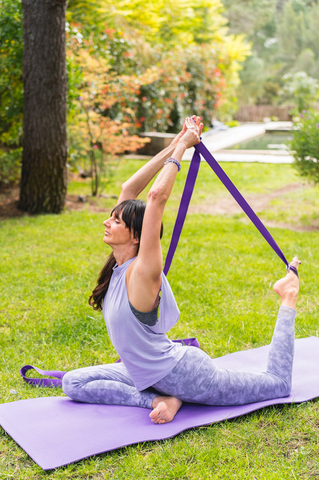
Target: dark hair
x=132, y=215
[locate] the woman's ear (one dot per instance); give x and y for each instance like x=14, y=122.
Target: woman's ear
x=136, y=240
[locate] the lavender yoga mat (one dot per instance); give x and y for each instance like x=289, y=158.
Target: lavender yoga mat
x=56, y=431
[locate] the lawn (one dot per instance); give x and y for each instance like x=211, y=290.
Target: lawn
x=222, y=278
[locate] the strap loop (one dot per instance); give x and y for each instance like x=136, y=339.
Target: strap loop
x=292, y=269
x=43, y=382
x=200, y=149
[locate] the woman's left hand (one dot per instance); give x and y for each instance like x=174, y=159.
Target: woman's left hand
x=199, y=128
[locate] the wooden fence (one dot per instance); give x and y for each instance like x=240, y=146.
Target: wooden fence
x=257, y=113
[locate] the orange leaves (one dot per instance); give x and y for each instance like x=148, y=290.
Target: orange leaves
x=100, y=90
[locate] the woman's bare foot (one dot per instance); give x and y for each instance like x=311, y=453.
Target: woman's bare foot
x=288, y=287
x=164, y=409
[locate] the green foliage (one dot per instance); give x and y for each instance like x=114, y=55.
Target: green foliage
x=184, y=47
x=305, y=145
x=185, y=84
x=11, y=91
x=10, y=164
x=95, y=130
x=11, y=86
x=186, y=44
x=301, y=90
x=248, y=16
x=167, y=23
x=284, y=37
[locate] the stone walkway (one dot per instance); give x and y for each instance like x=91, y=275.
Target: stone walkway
x=218, y=143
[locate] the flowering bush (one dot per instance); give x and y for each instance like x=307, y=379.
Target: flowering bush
x=187, y=83
x=305, y=144
x=94, y=135
x=142, y=69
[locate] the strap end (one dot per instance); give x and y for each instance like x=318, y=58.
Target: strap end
x=291, y=268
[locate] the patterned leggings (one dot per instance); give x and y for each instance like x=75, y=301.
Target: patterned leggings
x=195, y=378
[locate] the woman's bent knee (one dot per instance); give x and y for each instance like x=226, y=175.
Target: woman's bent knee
x=286, y=389
x=69, y=384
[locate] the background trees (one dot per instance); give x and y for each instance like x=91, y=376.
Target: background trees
x=176, y=57
x=155, y=63
x=11, y=91
x=43, y=179
x=284, y=36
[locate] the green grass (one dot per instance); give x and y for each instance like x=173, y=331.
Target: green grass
x=250, y=178
x=221, y=276
x=297, y=207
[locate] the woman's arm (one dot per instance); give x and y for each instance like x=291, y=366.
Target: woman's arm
x=144, y=277
x=139, y=181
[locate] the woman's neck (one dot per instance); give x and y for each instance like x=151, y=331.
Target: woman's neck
x=123, y=256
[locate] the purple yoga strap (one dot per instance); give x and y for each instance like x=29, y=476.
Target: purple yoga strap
x=200, y=149
x=43, y=382
x=183, y=207
x=57, y=382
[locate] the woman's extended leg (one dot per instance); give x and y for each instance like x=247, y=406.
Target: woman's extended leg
x=106, y=384
x=196, y=378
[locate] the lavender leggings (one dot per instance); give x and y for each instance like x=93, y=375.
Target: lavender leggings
x=195, y=378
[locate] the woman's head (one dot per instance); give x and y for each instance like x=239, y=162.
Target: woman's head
x=125, y=223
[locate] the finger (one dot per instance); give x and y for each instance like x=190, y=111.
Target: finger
x=184, y=127
x=201, y=125
x=190, y=123
x=187, y=122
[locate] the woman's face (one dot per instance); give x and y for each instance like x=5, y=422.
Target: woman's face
x=116, y=232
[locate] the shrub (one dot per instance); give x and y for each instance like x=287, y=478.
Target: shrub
x=305, y=145
x=300, y=89
x=10, y=164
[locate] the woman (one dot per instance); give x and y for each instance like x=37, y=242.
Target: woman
x=128, y=293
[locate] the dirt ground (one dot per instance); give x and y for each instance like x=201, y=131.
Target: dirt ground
x=229, y=206
x=222, y=206
x=9, y=204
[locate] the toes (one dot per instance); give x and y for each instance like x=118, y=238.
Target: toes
x=154, y=414
x=295, y=262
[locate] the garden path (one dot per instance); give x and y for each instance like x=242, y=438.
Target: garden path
x=217, y=143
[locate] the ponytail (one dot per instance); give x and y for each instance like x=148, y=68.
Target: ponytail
x=103, y=282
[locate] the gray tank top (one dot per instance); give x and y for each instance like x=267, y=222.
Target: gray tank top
x=147, y=353
x=148, y=318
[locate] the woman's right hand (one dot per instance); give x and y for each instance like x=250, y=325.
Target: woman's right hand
x=194, y=130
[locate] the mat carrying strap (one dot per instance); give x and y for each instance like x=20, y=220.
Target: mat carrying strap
x=43, y=382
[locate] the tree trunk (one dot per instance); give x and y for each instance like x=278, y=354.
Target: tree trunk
x=44, y=177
